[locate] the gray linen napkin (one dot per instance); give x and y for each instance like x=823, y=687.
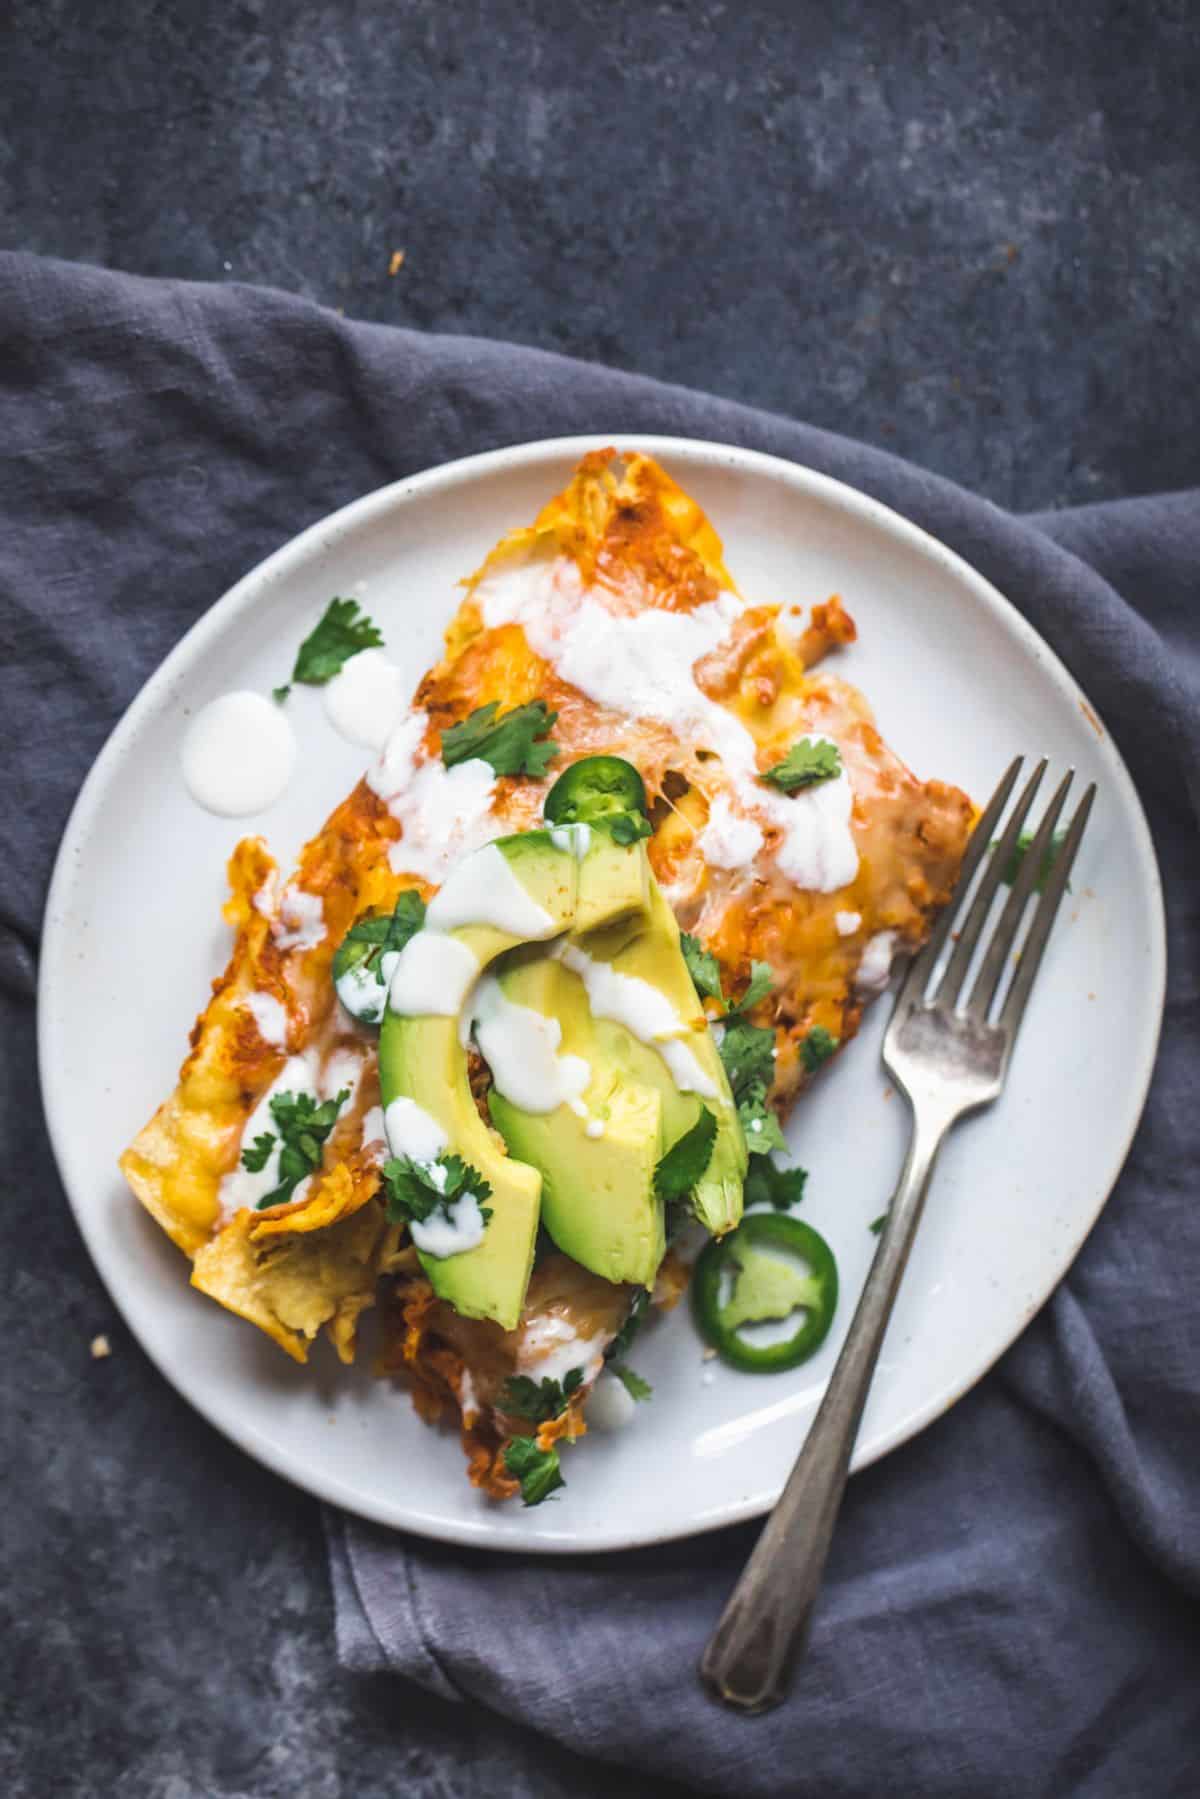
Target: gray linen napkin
x=1012, y=1600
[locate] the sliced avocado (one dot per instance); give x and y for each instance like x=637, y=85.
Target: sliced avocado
x=614, y=880
x=422, y=1059
x=598, y=1197
x=653, y=954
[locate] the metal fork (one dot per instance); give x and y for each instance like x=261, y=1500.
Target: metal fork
x=948, y=1062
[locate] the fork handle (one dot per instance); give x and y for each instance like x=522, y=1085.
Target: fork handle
x=751, y=1653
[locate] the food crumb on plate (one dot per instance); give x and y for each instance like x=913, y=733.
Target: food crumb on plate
x=101, y=1347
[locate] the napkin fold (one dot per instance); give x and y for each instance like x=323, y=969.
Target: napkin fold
x=1013, y=1600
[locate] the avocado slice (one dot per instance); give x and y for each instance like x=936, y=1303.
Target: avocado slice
x=599, y=1201
x=614, y=878
x=652, y=954
x=518, y=890
x=490, y=904
x=598, y=1198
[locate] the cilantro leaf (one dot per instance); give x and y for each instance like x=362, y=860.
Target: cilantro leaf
x=303, y=1125
x=627, y=827
x=370, y=939
x=1024, y=842
x=340, y=633
x=255, y=1159
x=411, y=1194
x=748, y=1052
x=279, y=694
x=877, y=1224
x=703, y=967
x=537, y=1469
x=540, y=1400
x=415, y=1192
x=762, y=979
x=705, y=971
x=506, y=742
x=759, y=1123
x=806, y=764
x=817, y=1047
x=462, y=1178
x=635, y=1317
x=767, y=1184
x=634, y=1385
x=685, y=1161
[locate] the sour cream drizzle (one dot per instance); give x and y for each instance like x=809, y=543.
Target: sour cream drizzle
x=301, y=919
x=875, y=969
x=575, y=839
x=645, y=1012
x=642, y=666
x=374, y=1131
x=412, y=1132
x=550, y=1348
x=270, y=1016
x=483, y=890
x=432, y=977
x=461, y=1225
x=611, y=1406
x=239, y=1188
x=363, y=993
x=520, y=1046
x=442, y=812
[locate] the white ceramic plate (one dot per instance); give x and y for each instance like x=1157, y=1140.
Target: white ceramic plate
x=959, y=683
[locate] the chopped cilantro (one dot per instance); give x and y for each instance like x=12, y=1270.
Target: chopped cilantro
x=634, y=1385
x=748, y=1052
x=537, y=1469
x=506, y=742
x=303, y=1126
x=703, y=967
x=762, y=979
x=279, y=694
x=1012, y=867
x=759, y=1123
x=368, y=941
x=817, y=1047
x=877, y=1224
x=540, y=1400
x=685, y=1161
x=341, y=633
x=254, y=1159
x=635, y=1317
x=705, y=971
x=805, y=765
x=415, y=1192
x=627, y=827
x=769, y=1184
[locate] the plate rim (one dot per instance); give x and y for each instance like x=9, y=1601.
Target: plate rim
x=274, y=569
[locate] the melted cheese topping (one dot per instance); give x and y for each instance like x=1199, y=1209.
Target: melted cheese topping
x=616, y=609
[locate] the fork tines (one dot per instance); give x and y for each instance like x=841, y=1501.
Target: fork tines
x=1040, y=854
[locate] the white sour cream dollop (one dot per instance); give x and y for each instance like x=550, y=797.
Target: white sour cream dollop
x=238, y=754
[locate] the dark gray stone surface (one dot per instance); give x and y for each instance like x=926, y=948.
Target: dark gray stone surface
x=967, y=232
